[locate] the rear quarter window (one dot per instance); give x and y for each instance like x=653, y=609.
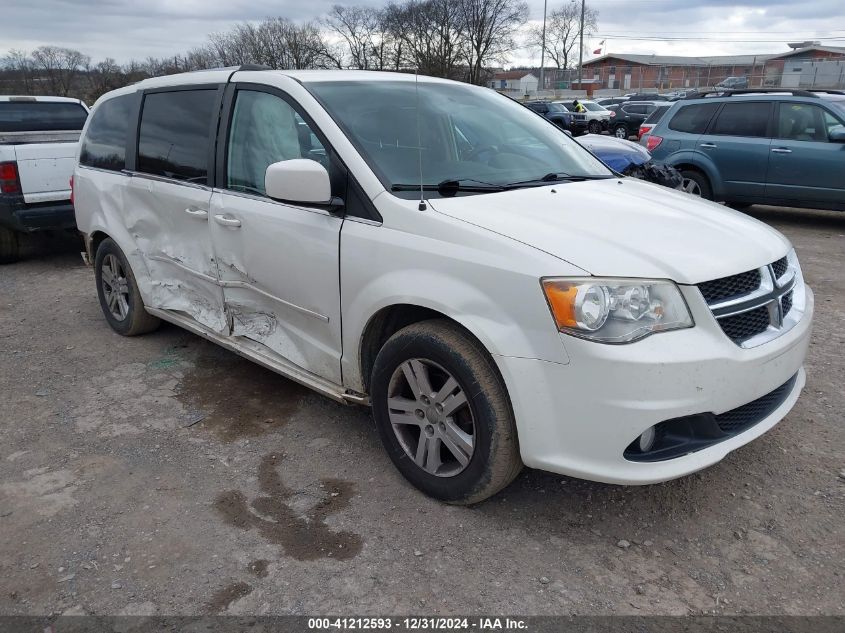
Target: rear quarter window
x=655, y=116
x=104, y=145
x=41, y=116
x=694, y=118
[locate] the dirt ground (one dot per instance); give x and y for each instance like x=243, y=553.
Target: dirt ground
x=163, y=475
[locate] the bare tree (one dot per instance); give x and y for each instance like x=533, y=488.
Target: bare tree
x=563, y=28
x=359, y=28
x=490, y=29
x=60, y=66
x=431, y=32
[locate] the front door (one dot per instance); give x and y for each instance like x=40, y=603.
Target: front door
x=278, y=262
x=737, y=143
x=167, y=203
x=803, y=163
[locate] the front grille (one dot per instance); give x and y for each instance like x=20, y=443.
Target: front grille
x=780, y=267
x=786, y=303
x=739, y=419
x=741, y=327
x=728, y=287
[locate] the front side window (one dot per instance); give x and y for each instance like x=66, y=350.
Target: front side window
x=175, y=134
x=802, y=122
x=693, y=119
x=104, y=145
x=265, y=129
x=749, y=118
x=450, y=132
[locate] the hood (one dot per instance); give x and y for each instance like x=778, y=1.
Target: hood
x=625, y=228
x=616, y=153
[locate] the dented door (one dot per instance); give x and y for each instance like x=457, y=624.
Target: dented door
x=278, y=265
x=169, y=222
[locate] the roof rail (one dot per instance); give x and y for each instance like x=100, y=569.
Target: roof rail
x=254, y=67
x=727, y=92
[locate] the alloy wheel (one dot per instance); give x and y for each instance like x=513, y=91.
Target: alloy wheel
x=621, y=132
x=431, y=417
x=115, y=287
x=594, y=127
x=690, y=186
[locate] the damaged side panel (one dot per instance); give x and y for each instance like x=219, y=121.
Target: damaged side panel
x=173, y=239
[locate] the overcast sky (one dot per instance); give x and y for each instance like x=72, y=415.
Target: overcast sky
x=126, y=29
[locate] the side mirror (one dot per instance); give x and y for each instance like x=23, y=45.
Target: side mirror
x=837, y=134
x=298, y=180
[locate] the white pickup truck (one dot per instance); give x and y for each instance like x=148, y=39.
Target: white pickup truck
x=38, y=142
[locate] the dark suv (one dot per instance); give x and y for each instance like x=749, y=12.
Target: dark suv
x=626, y=118
x=559, y=115
x=781, y=147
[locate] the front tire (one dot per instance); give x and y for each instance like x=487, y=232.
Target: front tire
x=443, y=414
x=10, y=250
x=621, y=131
x=118, y=292
x=594, y=127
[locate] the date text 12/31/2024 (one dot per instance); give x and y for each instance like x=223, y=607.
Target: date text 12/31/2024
x=417, y=624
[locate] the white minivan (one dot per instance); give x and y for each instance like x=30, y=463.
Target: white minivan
x=435, y=250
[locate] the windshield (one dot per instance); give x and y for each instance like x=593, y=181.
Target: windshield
x=839, y=106
x=592, y=107
x=462, y=133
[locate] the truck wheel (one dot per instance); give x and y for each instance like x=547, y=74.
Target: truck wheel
x=443, y=413
x=118, y=292
x=9, y=246
x=594, y=127
x=621, y=131
x=696, y=184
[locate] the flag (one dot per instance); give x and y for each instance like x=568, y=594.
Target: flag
x=598, y=50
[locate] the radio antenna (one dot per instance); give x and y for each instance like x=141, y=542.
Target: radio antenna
x=422, y=206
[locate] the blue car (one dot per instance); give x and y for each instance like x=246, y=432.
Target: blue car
x=780, y=147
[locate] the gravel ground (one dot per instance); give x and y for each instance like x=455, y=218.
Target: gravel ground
x=164, y=475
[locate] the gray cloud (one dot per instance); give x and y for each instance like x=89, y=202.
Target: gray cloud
x=126, y=29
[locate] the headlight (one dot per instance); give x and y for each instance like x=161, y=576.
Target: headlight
x=615, y=310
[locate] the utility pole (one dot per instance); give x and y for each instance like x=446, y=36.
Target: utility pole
x=581, y=51
x=543, y=48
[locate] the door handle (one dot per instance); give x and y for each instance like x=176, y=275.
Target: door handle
x=199, y=214
x=781, y=150
x=227, y=220
x=708, y=145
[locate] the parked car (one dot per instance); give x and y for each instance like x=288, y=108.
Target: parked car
x=499, y=301
x=38, y=137
x=559, y=115
x=645, y=96
x=650, y=121
x=781, y=147
x=609, y=101
x=630, y=159
x=733, y=83
x=626, y=118
x=597, y=117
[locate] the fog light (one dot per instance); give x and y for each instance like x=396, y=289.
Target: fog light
x=647, y=440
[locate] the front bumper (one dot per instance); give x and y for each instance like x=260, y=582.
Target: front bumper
x=578, y=419
x=18, y=215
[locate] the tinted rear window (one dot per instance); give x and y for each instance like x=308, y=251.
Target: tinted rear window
x=175, y=134
x=743, y=119
x=693, y=119
x=41, y=116
x=655, y=116
x=104, y=145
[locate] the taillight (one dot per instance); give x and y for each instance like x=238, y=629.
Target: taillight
x=612, y=114
x=70, y=182
x=652, y=142
x=643, y=130
x=9, y=181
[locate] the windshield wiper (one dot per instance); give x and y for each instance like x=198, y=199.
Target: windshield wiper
x=451, y=186
x=555, y=176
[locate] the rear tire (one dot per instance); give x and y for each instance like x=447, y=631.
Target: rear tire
x=436, y=391
x=118, y=292
x=594, y=127
x=696, y=184
x=10, y=249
